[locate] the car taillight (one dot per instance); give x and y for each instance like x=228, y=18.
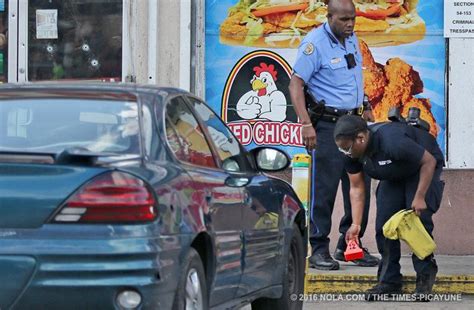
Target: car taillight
x=112, y=197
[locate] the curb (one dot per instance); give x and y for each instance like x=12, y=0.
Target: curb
x=325, y=283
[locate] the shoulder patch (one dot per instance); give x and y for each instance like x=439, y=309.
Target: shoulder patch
x=309, y=49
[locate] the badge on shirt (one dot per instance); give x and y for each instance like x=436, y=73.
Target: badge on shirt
x=309, y=49
x=385, y=162
x=336, y=60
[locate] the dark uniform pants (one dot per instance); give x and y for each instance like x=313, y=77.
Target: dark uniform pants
x=395, y=196
x=328, y=170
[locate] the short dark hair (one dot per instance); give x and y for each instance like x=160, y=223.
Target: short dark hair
x=348, y=126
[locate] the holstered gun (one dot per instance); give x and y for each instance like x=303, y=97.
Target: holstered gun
x=314, y=107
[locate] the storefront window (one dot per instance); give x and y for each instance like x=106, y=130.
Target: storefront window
x=3, y=41
x=75, y=39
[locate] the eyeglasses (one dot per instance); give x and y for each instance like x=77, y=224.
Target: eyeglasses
x=347, y=152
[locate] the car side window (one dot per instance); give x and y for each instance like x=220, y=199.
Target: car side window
x=185, y=136
x=147, y=125
x=228, y=147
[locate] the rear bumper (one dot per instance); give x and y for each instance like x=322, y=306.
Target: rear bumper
x=89, y=272
x=89, y=297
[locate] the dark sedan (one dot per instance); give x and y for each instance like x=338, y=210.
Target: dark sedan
x=137, y=197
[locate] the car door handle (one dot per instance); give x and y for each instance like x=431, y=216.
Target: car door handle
x=208, y=197
x=247, y=199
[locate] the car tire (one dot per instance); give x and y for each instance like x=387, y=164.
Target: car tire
x=293, y=279
x=191, y=292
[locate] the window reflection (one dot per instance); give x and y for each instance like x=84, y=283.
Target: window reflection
x=97, y=125
x=228, y=148
x=4, y=42
x=185, y=135
x=223, y=138
x=75, y=39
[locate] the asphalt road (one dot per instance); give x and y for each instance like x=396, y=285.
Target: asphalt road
x=356, y=302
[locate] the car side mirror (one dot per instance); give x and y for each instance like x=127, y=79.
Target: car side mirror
x=270, y=159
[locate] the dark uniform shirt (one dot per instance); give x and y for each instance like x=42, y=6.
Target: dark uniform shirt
x=395, y=151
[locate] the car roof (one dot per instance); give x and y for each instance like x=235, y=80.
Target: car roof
x=84, y=89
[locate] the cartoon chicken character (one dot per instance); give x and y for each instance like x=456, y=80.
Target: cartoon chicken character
x=264, y=101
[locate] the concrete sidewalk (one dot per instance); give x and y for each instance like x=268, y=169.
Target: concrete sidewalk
x=455, y=275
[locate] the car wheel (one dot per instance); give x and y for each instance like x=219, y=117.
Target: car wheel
x=191, y=293
x=293, y=279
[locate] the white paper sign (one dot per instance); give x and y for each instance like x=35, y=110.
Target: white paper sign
x=459, y=19
x=46, y=24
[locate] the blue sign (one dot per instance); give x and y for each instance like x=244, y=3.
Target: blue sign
x=401, y=59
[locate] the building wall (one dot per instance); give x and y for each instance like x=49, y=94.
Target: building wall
x=168, y=43
x=153, y=29
x=135, y=31
x=461, y=104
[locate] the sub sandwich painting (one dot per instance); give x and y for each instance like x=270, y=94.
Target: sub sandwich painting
x=283, y=23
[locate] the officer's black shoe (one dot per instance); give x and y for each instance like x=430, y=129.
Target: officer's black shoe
x=425, y=282
x=367, y=261
x=323, y=261
x=382, y=291
x=339, y=255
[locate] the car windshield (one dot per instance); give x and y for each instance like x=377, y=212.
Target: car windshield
x=47, y=125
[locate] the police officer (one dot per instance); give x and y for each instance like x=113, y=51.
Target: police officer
x=409, y=162
x=329, y=63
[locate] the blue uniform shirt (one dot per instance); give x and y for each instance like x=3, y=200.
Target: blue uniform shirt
x=394, y=152
x=321, y=64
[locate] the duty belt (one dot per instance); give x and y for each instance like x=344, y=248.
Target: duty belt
x=332, y=114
